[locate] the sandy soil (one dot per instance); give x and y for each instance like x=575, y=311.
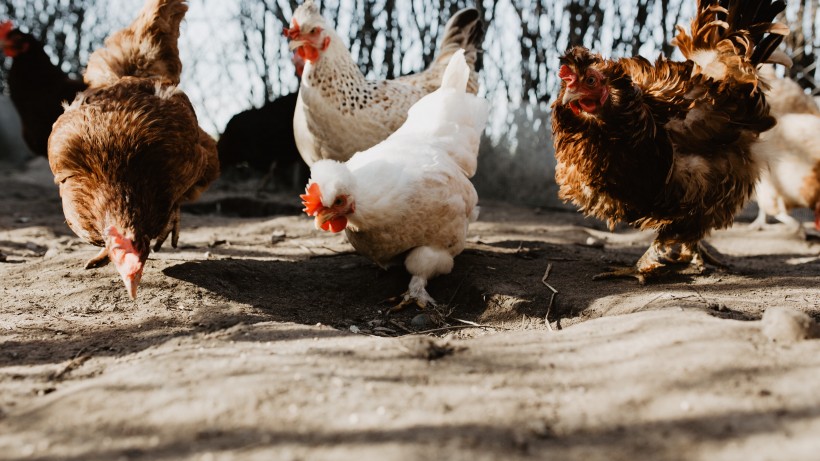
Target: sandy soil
x=261, y=338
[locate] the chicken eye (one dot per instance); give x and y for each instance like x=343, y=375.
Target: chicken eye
x=591, y=81
x=339, y=202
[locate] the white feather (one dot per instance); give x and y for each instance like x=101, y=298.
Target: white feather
x=412, y=190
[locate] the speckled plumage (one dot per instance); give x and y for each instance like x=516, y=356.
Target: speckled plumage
x=339, y=112
x=128, y=151
x=671, y=148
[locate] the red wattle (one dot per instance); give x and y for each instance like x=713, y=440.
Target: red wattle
x=337, y=224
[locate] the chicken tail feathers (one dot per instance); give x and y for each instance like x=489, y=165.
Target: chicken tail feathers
x=464, y=30
x=145, y=49
x=457, y=73
x=450, y=116
x=730, y=38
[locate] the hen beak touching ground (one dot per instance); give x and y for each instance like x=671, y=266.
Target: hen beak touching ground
x=128, y=261
x=331, y=218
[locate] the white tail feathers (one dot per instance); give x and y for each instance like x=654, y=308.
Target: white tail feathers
x=457, y=73
x=451, y=116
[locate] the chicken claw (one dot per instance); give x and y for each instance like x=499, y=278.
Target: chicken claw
x=172, y=228
x=622, y=272
x=100, y=260
x=705, y=253
x=658, y=261
x=416, y=295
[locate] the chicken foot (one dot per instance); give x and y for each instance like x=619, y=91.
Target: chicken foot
x=100, y=260
x=172, y=228
x=660, y=260
x=782, y=216
x=423, y=263
x=416, y=295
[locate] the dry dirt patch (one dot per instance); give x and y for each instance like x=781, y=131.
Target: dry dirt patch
x=222, y=356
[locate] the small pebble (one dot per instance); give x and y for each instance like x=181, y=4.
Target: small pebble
x=784, y=325
x=277, y=236
x=354, y=329
x=421, y=322
x=52, y=252
x=593, y=242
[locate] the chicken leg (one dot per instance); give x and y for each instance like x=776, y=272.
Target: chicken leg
x=423, y=263
x=661, y=260
x=100, y=260
x=171, y=228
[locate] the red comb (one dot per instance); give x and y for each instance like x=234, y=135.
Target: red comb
x=5, y=28
x=312, y=201
x=566, y=73
x=293, y=32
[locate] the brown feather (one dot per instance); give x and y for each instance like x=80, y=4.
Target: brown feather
x=129, y=150
x=670, y=149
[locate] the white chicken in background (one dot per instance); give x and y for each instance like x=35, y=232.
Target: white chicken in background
x=409, y=196
x=791, y=150
x=339, y=112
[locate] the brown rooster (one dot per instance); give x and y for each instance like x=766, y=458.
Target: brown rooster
x=667, y=146
x=129, y=150
x=37, y=87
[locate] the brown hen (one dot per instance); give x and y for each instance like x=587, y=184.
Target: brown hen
x=667, y=146
x=128, y=151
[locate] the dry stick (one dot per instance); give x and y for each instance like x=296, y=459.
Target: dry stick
x=552, y=298
x=401, y=327
x=650, y=302
x=463, y=279
x=467, y=322
x=73, y=364
x=459, y=327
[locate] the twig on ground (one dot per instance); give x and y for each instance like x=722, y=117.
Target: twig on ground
x=552, y=297
x=467, y=322
x=650, y=302
x=458, y=327
x=401, y=327
x=450, y=302
x=338, y=252
x=72, y=365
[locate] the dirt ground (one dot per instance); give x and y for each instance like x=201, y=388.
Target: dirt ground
x=262, y=338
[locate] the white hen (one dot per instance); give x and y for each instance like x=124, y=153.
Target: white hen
x=791, y=151
x=409, y=196
x=792, y=179
x=339, y=112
